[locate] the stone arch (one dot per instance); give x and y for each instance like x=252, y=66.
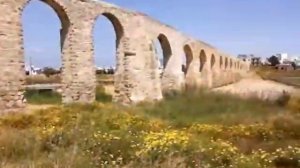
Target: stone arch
x=118, y=31
x=212, y=61
x=166, y=48
x=188, y=57
x=60, y=11
x=117, y=25
x=203, y=60
x=62, y=14
x=118, y=28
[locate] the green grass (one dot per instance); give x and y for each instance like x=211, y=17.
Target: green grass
x=101, y=96
x=51, y=97
x=197, y=129
x=210, y=108
x=42, y=97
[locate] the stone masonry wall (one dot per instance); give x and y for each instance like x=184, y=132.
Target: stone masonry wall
x=137, y=76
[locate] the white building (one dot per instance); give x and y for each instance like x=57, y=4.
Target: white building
x=296, y=59
x=32, y=70
x=245, y=57
x=282, y=57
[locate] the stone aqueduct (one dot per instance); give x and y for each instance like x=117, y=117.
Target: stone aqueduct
x=137, y=76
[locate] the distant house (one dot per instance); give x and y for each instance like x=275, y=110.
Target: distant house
x=296, y=60
x=31, y=70
x=284, y=67
x=105, y=70
x=245, y=57
x=254, y=60
x=282, y=57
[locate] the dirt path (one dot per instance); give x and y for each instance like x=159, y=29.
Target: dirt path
x=254, y=86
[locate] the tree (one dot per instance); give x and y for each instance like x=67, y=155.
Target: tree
x=48, y=71
x=294, y=65
x=274, y=60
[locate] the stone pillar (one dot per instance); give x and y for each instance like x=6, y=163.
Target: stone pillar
x=206, y=73
x=12, y=73
x=139, y=78
x=192, y=77
x=222, y=71
x=216, y=72
x=78, y=73
x=173, y=77
x=209, y=71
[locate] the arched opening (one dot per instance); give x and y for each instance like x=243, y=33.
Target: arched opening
x=163, y=50
x=107, y=34
x=230, y=63
x=187, y=59
x=45, y=27
x=221, y=62
x=212, y=61
x=202, y=60
x=226, y=63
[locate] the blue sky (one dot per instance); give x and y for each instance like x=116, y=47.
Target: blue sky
x=261, y=27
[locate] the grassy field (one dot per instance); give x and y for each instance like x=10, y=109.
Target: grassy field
x=42, y=79
x=186, y=130
x=287, y=77
x=46, y=97
x=49, y=97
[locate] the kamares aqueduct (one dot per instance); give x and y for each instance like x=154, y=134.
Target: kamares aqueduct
x=137, y=76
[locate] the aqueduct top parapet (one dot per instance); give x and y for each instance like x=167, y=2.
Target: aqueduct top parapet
x=138, y=77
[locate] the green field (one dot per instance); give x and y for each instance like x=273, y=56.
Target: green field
x=185, y=130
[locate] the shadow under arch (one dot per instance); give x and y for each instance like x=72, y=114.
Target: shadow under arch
x=203, y=60
x=166, y=48
x=226, y=63
x=212, y=61
x=221, y=62
x=188, y=58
